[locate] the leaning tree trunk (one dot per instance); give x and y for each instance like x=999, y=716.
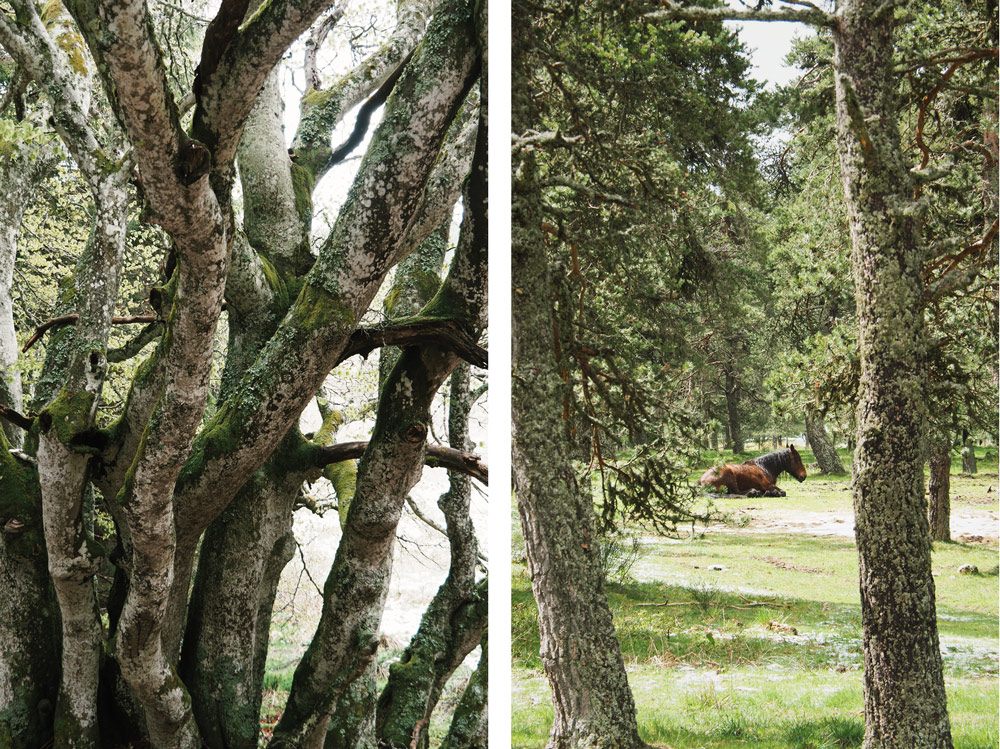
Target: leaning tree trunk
x=592, y=700
x=822, y=446
x=417, y=278
x=938, y=489
x=905, y=702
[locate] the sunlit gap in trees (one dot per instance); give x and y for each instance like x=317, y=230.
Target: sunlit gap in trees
x=768, y=44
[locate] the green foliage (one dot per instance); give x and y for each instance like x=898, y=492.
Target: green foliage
x=645, y=218
x=946, y=117
x=619, y=553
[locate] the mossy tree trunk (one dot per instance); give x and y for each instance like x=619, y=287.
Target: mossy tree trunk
x=352, y=723
x=905, y=702
x=939, y=492
x=968, y=455
x=163, y=475
x=454, y=621
x=822, y=446
x=354, y=594
x=470, y=724
x=592, y=701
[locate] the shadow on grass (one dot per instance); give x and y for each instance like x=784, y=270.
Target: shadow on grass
x=736, y=730
x=672, y=625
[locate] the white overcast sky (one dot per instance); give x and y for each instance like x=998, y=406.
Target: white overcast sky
x=768, y=43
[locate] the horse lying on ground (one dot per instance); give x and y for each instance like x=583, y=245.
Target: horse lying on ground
x=756, y=477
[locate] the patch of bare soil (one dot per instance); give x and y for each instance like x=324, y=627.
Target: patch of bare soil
x=974, y=519
x=781, y=564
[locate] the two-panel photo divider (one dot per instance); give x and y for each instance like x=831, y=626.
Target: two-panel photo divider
x=274, y=298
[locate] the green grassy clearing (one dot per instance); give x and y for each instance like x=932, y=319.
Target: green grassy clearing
x=766, y=651
x=754, y=707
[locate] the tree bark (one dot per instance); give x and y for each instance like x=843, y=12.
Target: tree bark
x=905, y=702
x=592, y=700
x=469, y=724
x=822, y=446
x=734, y=429
x=455, y=620
x=29, y=627
x=969, y=456
x=355, y=590
x=938, y=490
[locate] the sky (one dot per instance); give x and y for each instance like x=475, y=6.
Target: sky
x=768, y=44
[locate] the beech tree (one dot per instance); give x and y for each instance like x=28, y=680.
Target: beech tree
x=200, y=499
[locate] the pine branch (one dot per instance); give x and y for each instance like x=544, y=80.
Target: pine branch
x=805, y=13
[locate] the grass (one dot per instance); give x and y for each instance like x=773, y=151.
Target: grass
x=756, y=707
x=765, y=649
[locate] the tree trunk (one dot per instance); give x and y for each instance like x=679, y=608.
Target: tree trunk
x=905, y=702
x=455, y=620
x=822, y=446
x=734, y=430
x=29, y=626
x=468, y=729
x=969, y=456
x=938, y=489
x=592, y=700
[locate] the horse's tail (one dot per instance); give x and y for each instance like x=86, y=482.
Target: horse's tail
x=710, y=476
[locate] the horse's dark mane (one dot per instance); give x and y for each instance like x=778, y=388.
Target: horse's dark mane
x=776, y=462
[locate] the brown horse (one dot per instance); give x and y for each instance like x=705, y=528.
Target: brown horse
x=756, y=477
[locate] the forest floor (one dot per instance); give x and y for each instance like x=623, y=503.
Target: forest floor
x=747, y=633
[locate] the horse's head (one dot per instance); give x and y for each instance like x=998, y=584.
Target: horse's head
x=795, y=465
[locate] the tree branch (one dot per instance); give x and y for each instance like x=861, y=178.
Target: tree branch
x=436, y=456
x=56, y=322
x=932, y=94
x=809, y=14
x=316, y=38
x=321, y=112
x=225, y=100
x=147, y=335
x=445, y=334
x=535, y=138
x=16, y=418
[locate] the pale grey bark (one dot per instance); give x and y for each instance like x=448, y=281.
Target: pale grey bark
x=273, y=225
x=62, y=466
x=321, y=109
x=455, y=620
x=18, y=176
x=349, y=270
x=355, y=590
